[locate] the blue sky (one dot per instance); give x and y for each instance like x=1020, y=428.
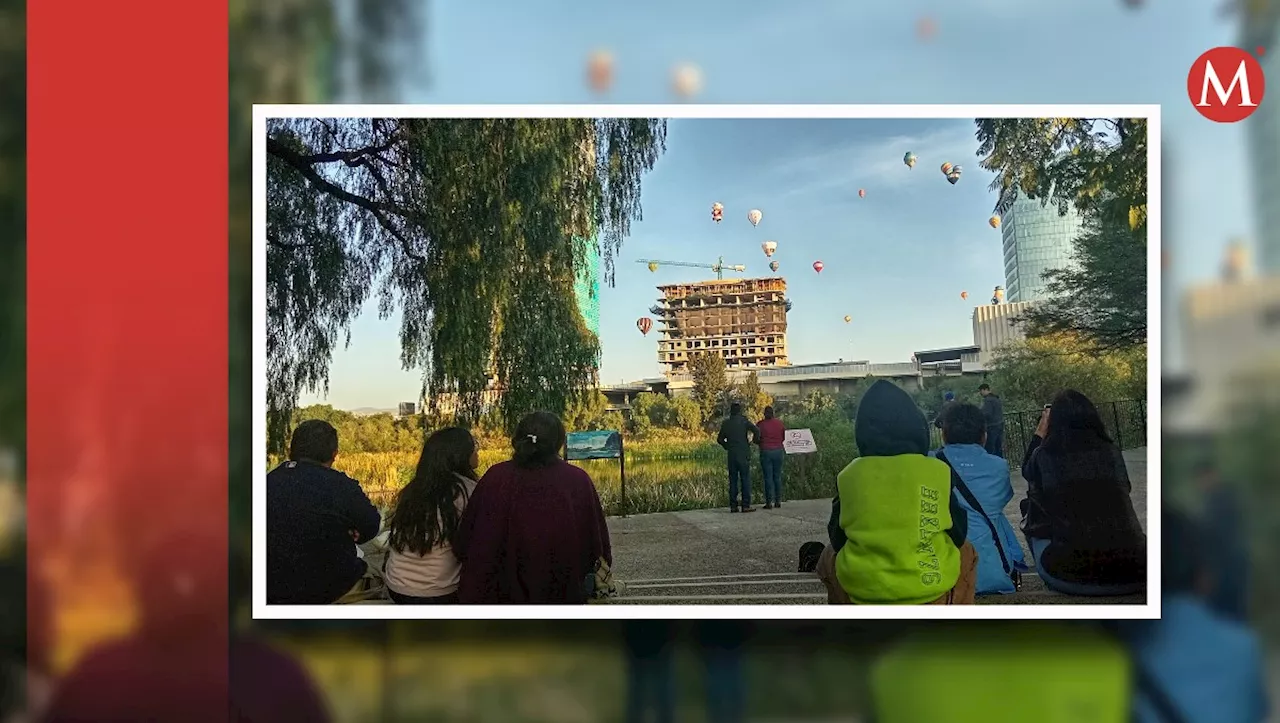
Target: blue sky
x=833, y=51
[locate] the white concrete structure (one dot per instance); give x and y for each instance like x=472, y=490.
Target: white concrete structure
x=993, y=327
x=1232, y=334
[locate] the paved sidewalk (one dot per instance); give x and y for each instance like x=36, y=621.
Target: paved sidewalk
x=713, y=556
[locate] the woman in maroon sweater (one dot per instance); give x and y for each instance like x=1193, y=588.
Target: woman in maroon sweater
x=534, y=528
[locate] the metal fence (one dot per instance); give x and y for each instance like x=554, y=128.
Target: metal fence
x=1125, y=420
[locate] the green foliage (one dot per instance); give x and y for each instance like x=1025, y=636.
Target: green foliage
x=1029, y=374
x=710, y=384
x=476, y=230
x=814, y=402
x=753, y=397
x=1099, y=167
x=686, y=414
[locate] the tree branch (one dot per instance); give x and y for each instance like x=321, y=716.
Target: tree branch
x=377, y=209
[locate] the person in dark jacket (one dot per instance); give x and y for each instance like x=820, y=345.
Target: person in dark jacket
x=993, y=412
x=948, y=401
x=1078, y=519
x=316, y=516
x=737, y=434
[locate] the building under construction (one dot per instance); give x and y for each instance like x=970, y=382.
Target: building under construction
x=742, y=320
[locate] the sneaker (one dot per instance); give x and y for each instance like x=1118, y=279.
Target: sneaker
x=768, y=505
x=748, y=508
x=733, y=509
x=777, y=504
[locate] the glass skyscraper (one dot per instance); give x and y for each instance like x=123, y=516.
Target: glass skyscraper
x=1036, y=239
x=586, y=287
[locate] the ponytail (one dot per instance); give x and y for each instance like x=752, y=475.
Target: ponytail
x=537, y=441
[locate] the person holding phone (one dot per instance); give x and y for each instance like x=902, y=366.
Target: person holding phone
x=1078, y=518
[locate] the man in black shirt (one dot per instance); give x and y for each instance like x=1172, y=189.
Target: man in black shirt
x=315, y=517
x=737, y=434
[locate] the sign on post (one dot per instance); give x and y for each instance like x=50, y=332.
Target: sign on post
x=602, y=444
x=799, y=441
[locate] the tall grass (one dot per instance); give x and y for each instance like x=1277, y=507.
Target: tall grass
x=662, y=475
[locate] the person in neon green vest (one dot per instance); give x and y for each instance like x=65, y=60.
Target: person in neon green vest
x=897, y=534
x=1024, y=671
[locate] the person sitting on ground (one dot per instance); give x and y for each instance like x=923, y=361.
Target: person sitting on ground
x=316, y=516
x=421, y=567
x=772, y=455
x=1080, y=524
x=534, y=531
x=737, y=434
x=897, y=534
x=986, y=477
x=1194, y=663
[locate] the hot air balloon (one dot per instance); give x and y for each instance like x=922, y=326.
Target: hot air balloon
x=773, y=266
x=847, y=318
x=817, y=266
x=769, y=247
x=946, y=169
x=997, y=295
x=954, y=175
x=653, y=265
x=644, y=324
x=754, y=216
x=717, y=212
x=686, y=80
x=994, y=221
x=964, y=294
x=600, y=71
x=862, y=193
x=909, y=159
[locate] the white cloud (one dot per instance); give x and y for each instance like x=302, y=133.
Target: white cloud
x=878, y=163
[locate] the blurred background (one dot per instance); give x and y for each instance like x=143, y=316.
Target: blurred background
x=1220, y=326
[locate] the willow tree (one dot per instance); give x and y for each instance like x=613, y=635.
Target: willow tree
x=473, y=229
x=1097, y=166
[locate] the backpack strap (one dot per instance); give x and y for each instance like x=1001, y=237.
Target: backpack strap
x=958, y=483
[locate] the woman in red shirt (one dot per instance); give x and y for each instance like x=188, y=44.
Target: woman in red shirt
x=771, y=457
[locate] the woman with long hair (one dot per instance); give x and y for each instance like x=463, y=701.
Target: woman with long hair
x=421, y=566
x=1078, y=518
x=534, y=531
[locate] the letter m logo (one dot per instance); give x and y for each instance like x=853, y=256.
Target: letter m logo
x=1226, y=84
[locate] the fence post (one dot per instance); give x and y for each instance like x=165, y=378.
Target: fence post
x=1142, y=410
x=1115, y=414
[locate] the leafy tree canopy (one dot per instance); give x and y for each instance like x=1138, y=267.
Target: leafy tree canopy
x=1098, y=166
x=1029, y=374
x=710, y=384
x=473, y=229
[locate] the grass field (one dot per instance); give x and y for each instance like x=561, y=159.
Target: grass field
x=662, y=476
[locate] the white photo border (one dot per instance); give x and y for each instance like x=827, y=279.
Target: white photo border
x=622, y=611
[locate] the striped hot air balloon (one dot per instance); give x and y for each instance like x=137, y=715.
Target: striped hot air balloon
x=773, y=266
x=644, y=324
x=717, y=212
x=946, y=169
x=994, y=221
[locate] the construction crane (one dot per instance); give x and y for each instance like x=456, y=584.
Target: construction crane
x=719, y=267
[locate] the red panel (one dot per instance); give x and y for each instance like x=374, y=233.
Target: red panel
x=127, y=347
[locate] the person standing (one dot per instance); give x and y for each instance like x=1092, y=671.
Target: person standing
x=993, y=413
x=737, y=434
x=772, y=431
x=948, y=400
x=316, y=516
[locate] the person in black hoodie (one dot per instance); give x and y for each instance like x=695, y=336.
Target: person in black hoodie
x=1078, y=518
x=737, y=434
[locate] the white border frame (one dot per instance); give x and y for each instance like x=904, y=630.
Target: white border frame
x=1150, y=610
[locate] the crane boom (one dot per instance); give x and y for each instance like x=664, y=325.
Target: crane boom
x=719, y=267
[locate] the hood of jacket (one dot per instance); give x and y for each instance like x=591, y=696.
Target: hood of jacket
x=889, y=423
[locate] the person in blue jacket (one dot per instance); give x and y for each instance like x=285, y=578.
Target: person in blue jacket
x=987, y=477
